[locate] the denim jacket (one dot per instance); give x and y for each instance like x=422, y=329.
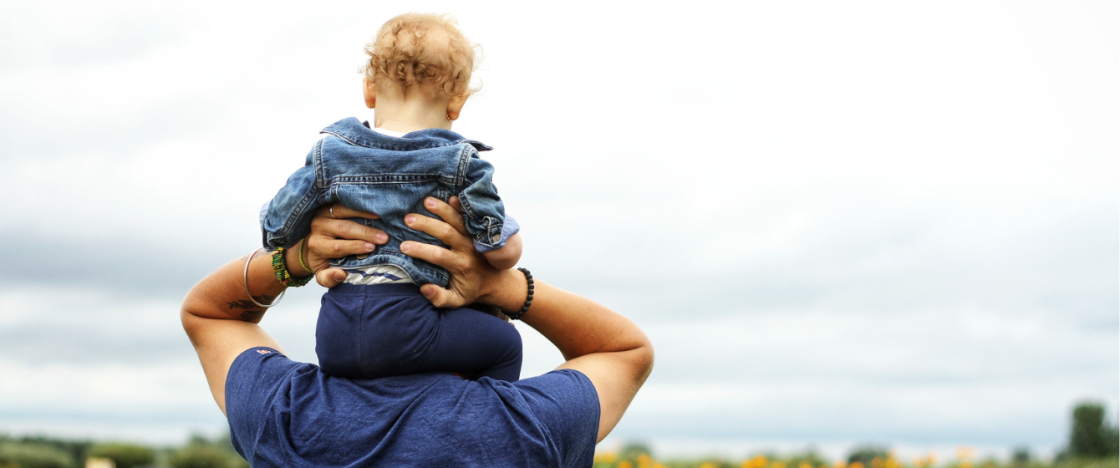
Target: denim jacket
x=368, y=171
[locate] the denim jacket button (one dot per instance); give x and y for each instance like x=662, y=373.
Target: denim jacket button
x=362, y=256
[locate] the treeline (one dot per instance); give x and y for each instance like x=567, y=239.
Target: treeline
x=638, y=455
x=1093, y=442
x=43, y=452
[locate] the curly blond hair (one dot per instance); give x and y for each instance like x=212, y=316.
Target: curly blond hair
x=421, y=50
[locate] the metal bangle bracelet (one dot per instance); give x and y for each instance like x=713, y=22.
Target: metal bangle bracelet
x=246, y=277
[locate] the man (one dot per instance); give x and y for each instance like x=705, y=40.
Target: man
x=284, y=413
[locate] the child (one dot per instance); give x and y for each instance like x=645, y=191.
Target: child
x=377, y=323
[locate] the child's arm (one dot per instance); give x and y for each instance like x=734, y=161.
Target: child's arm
x=493, y=231
x=287, y=218
x=505, y=257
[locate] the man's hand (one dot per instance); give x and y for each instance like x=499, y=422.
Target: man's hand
x=470, y=272
x=333, y=235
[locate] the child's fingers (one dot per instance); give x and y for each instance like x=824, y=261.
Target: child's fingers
x=337, y=211
x=330, y=277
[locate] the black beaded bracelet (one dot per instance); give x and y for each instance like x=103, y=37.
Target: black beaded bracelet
x=528, y=299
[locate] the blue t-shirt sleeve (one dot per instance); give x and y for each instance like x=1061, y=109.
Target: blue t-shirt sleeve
x=251, y=385
x=565, y=402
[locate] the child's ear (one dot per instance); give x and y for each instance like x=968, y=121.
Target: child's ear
x=455, y=106
x=369, y=93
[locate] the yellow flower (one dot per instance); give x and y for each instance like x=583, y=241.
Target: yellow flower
x=965, y=453
x=605, y=457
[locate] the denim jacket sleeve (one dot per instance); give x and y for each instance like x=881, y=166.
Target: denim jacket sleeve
x=288, y=216
x=483, y=211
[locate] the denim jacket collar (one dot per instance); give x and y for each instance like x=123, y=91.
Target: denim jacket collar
x=358, y=133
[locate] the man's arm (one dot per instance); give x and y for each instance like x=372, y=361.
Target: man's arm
x=221, y=320
x=605, y=346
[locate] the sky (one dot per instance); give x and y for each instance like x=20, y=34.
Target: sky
x=839, y=222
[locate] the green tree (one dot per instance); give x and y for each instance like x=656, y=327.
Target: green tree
x=76, y=449
x=811, y=457
x=866, y=453
x=1090, y=434
x=201, y=456
x=124, y=455
x=27, y=455
x=203, y=452
x=632, y=450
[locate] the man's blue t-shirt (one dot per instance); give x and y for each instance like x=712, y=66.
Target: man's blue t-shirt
x=284, y=413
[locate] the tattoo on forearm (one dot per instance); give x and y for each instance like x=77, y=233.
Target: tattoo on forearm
x=252, y=315
x=251, y=312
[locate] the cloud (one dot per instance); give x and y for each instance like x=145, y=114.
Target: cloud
x=852, y=412
x=81, y=36
x=142, y=268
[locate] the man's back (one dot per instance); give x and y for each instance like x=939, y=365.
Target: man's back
x=285, y=413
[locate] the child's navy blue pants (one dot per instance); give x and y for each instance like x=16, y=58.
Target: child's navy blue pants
x=369, y=331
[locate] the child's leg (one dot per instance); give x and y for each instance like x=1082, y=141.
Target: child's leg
x=338, y=333
x=473, y=341
x=375, y=331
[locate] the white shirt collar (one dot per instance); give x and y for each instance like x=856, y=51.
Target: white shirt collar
x=387, y=132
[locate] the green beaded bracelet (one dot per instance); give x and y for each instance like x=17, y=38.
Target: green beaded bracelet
x=280, y=267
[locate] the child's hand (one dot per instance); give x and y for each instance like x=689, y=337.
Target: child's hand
x=507, y=256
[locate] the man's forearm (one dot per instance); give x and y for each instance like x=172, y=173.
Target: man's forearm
x=610, y=350
x=576, y=325
x=221, y=295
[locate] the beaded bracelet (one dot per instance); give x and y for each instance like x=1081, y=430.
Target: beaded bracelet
x=301, y=262
x=528, y=299
x=280, y=267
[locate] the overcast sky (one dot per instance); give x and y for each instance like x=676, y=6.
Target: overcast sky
x=839, y=222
